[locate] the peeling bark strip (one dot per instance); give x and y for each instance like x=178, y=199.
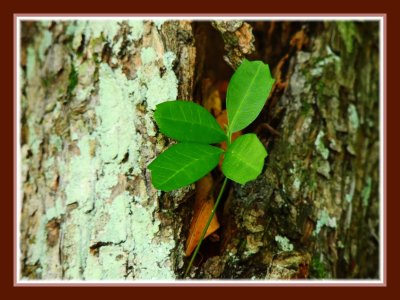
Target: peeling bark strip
x=89, y=210
x=89, y=91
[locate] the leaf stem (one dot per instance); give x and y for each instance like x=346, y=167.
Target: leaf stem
x=229, y=134
x=206, y=227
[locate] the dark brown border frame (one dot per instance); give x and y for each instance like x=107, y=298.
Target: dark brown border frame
x=9, y=9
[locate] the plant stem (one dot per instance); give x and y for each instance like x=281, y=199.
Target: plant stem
x=229, y=134
x=206, y=227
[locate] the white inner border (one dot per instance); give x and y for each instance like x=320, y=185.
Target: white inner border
x=291, y=17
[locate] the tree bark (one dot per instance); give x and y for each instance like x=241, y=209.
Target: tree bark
x=89, y=91
x=314, y=212
x=88, y=94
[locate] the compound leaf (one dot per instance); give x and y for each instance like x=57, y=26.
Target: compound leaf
x=183, y=164
x=247, y=93
x=188, y=122
x=244, y=159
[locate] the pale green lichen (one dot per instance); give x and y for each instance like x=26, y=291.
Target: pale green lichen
x=168, y=59
x=74, y=136
x=76, y=243
x=148, y=55
x=108, y=265
x=298, y=81
x=144, y=232
x=161, y=89
x=116, y=114
x=348, y=198
x=324, y=220
x=38, y=247
x=108, y=30
x=296, y=184
x=45, y=43
x=352, y=185
x=45, y=23
x=82, y=176
x=322, y=63
x=55, y=140
x=137, y=29
x=92, y=30
x=109, y=179
x=85, y=80
x=49, y=169
x=159, y=23
x=152, y=88
x=34, y=139
x=323, y=168
x=334, y=145
x=48, y=163
x=125, y=226
x=76, y=29
x=354, y=121
x=320, y=145
x=30, y=63
x=56, y=211
x=115, y=230
x=117, y=137
x=284, y=243
x=366, y=192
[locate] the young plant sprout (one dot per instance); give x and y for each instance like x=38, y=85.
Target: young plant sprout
x=196, y=130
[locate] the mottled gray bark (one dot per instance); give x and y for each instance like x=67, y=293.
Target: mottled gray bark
x=89, y=89
x=89, y=210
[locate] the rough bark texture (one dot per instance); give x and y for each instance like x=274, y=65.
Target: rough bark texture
x=89, y=90
x=314, y=212
x=89, y=210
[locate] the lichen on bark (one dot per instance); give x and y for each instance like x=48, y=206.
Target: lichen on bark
x=89, y=90
x=88, y=93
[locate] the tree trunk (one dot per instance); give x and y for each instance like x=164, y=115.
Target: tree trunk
x=89, y=90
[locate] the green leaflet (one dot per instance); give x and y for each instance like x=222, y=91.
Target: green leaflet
x=188, y=122
x=244, y=159
x=247, y=93
x=193, y=126
x=183, y=164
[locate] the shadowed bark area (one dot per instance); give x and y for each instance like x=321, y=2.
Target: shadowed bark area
x=314, y=212
x=88, y=92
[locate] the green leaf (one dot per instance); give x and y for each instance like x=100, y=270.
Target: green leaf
x=183, y=164
x=247, y=93
x=244, y=159
x=188, y=122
